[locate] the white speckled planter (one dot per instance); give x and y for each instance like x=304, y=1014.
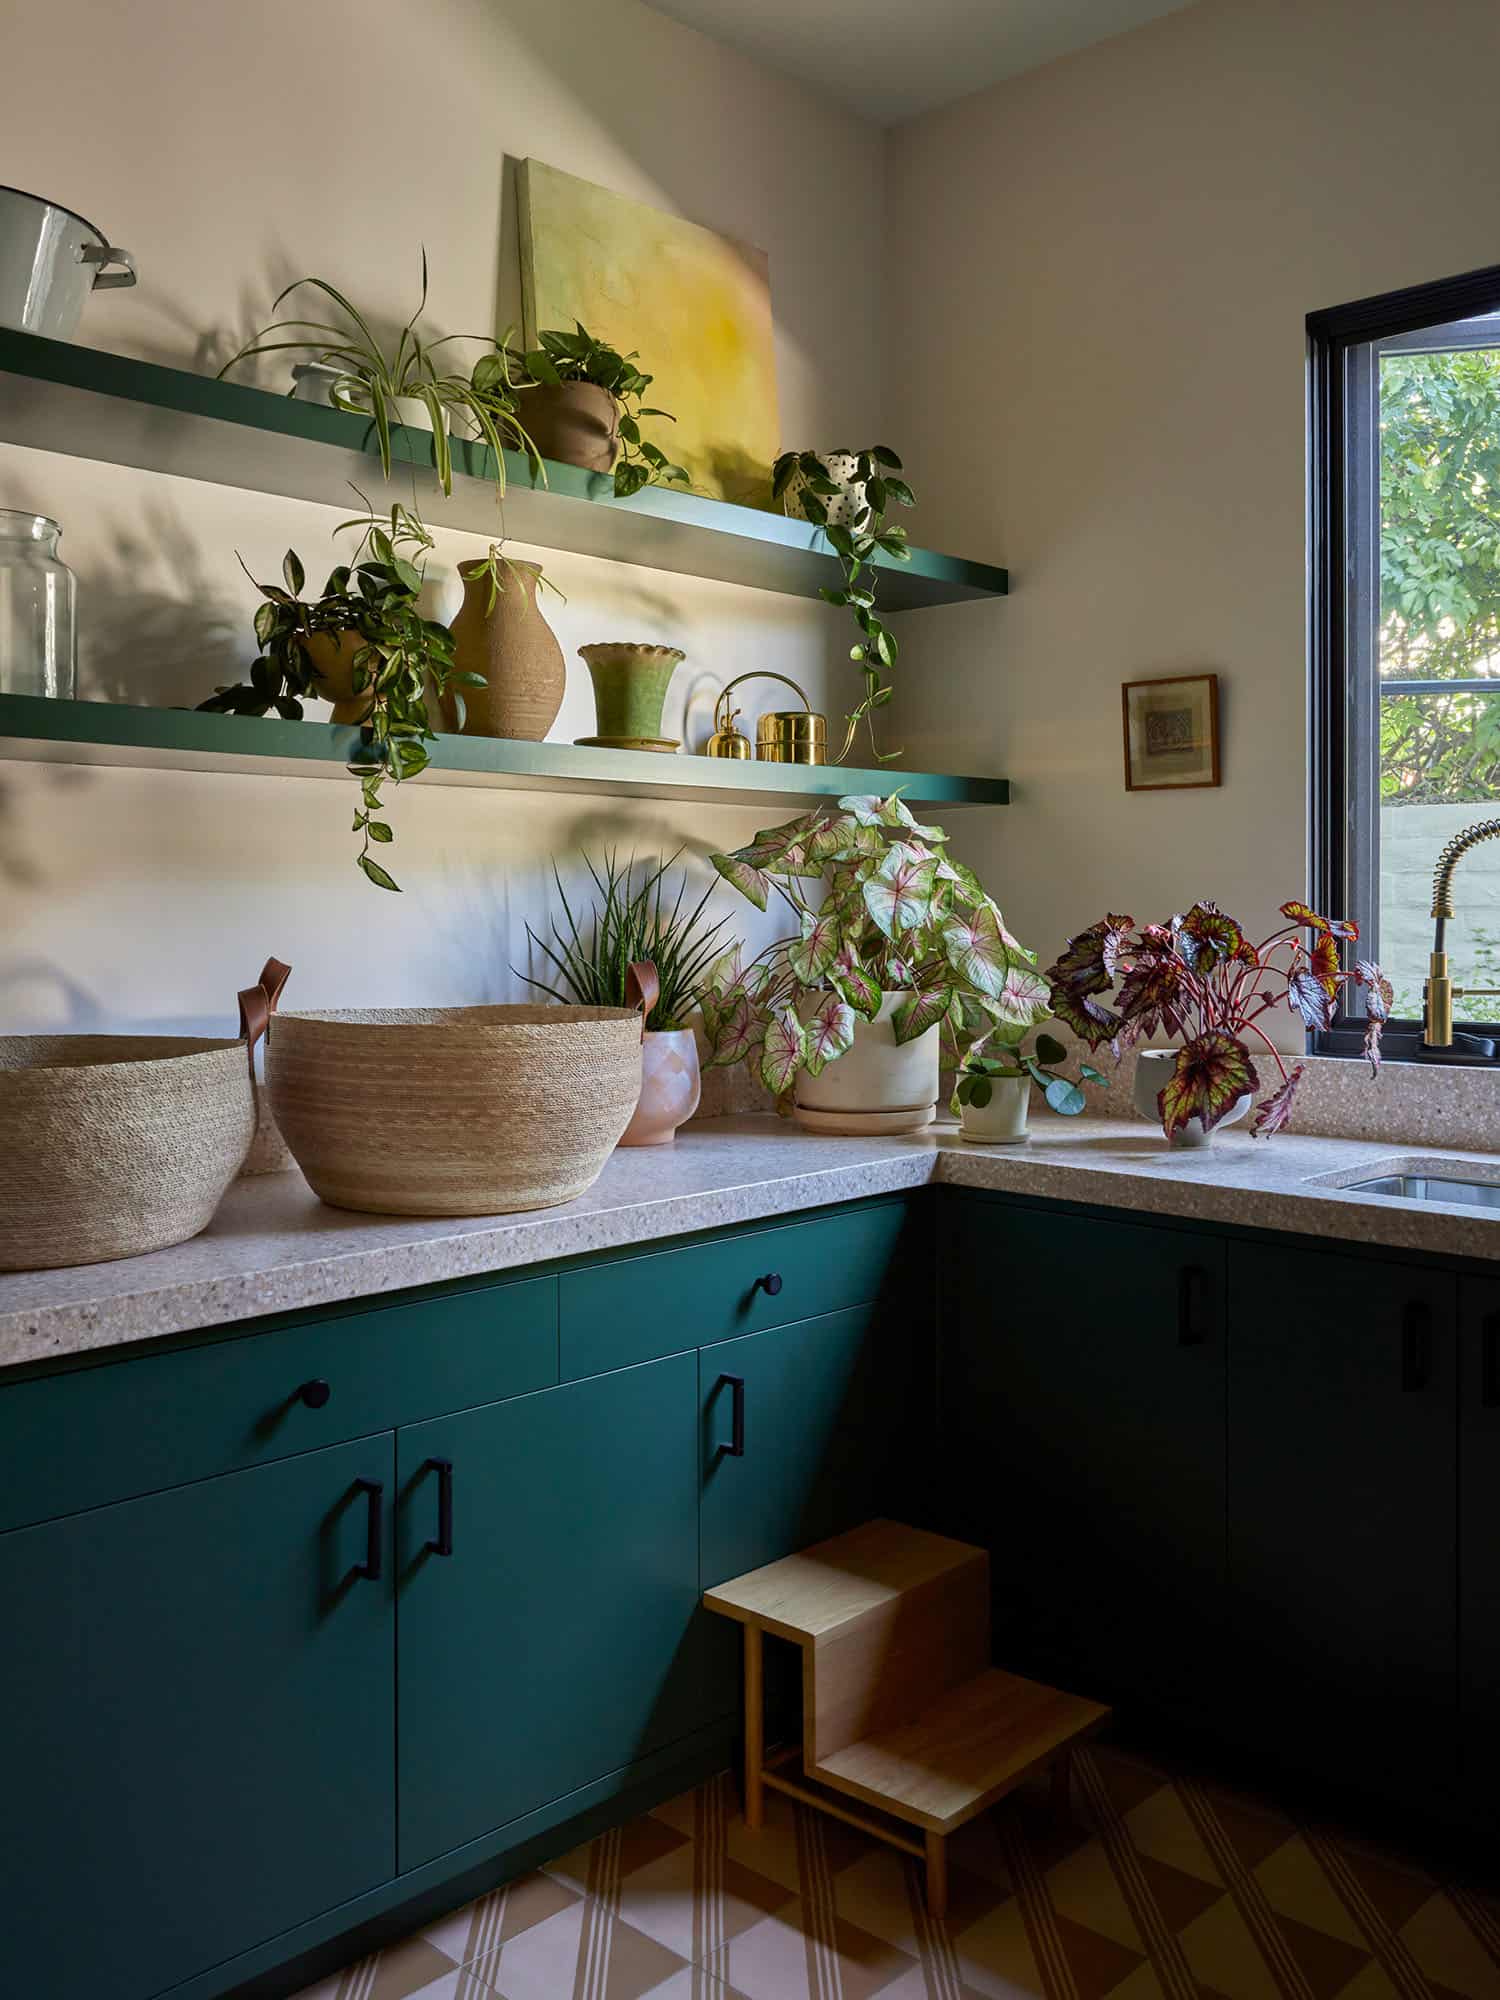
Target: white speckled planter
x=1152, y=1069
x=877, y=1085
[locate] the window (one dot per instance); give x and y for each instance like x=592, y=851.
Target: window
x=1405, y=457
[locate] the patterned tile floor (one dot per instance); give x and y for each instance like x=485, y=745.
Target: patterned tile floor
x=1163, y=1887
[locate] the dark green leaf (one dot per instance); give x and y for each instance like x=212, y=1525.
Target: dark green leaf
x=377, y=874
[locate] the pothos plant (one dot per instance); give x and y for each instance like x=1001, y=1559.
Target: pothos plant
x=399, y=655
x=579, y=357
x=1199, y=976
x=892, y=913
x=853, y=544
x=1003, y=1055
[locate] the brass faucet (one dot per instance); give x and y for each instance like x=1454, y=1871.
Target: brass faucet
x=1439, y=993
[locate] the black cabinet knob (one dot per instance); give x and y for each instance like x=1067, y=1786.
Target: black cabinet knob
x=770, y=1284
x=315, y=1394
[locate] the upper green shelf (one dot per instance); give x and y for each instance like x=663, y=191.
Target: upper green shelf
x=56, y=396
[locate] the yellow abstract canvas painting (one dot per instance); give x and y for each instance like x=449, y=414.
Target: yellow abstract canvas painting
x=694, y=304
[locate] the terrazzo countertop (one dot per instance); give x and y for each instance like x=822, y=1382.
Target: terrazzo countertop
x=274, y=1247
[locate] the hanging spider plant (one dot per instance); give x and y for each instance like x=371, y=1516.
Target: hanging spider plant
x=370, y=382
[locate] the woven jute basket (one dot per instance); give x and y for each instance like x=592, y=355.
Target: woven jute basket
x=113, y=1145
x=454, y=1110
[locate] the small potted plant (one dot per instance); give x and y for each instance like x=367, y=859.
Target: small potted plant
x=1200, y=977
x=583, y=407
x=899, y=956
x=363, y=645
x=992, y=1096
x=635, y=920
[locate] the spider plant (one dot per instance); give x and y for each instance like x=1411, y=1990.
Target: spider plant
x=370, y=380
x=632, y=920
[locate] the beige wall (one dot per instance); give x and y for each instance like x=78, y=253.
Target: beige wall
x=232, y=148
x=1101, y=273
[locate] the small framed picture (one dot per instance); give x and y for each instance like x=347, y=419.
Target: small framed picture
x=1171, y=733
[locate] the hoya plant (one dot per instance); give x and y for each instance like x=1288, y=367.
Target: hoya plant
x=1004, y=1054
x=878, y=907
x=580, y=356
x=1200, y=977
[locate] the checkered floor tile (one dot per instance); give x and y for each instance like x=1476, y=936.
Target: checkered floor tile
x=1159, y=1887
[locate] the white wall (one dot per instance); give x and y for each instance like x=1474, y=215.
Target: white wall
x=1100, y=274
x=232, y=148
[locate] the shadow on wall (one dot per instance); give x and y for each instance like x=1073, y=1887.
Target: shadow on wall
x=164, y=646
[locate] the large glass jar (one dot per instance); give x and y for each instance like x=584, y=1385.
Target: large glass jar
x=36, y=608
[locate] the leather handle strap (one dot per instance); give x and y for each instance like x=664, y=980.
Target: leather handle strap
x=273, y=976
x=258, y=1004
x=642, y=989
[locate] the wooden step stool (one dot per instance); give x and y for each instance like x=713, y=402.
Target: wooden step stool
x=901, y=1708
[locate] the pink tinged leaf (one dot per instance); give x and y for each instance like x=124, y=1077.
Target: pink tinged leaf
x=1213, y=932
x=894, y=811
x=866, y=807
x=743, y=876
x=1336, y=927
x=814, y=952
x=1272, y=1112
x=856, y=985
x=897, y=972
x=1379, y=993
x=1089, y=1018
x=724, y=972
x=783, y=1051
x=899, y=894
x=739, y=1029
x=828, y=1032
x=1024, y=997
x=919, y=1013
x=974, y=948
x=1149, y=991
x=1308, y=996
x=1323, y=963
x=1213, y=1072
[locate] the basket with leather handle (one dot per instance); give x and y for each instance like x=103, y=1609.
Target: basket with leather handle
x=114, y=1145
x=457, y=1110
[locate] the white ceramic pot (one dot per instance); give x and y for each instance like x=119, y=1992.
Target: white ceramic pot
x=414, y=413
x=1153, y=1067
x=50, y=260
x=842, y=508
x=314, y=382
x=877, y=1085
x=1001, y=1122
x=671, y=1085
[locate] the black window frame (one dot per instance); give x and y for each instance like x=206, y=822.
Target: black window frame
x=1339, y=375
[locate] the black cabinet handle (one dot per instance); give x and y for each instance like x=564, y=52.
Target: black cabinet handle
x=374, y=1562
x=315, y=1394
x=1416, y=1345
x=1489, y=1362
x=770, y=1284
x=443, y=1467
x=1192, y=1300
x=736, y=1447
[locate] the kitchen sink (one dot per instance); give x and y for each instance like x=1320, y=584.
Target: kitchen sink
x=1430, y=1187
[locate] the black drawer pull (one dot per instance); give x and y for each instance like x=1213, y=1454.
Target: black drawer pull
x=443, y=1467
x=736, y=1447
x=315, y=1394
x=1416, y=1345
x=374, y=1562
x=1192, y=1299
x=1489, y=1362
x=770, y=1284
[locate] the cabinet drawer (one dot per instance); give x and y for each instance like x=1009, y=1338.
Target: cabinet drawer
x=640, y=1308
x=100, y=1434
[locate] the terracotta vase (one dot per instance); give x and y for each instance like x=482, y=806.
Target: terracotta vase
x=575, y=423
x=671, y=1085
x=516, y=650
x=332, y=657
x=630, y=687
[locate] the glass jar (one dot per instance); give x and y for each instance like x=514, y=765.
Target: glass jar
x=36, y=608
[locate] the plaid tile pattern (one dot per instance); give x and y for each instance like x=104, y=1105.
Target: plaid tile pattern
x=1160, y=1887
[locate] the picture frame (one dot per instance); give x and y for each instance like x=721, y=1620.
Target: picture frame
x=1171, y=730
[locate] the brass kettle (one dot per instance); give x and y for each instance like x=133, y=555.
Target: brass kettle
x=782, y=736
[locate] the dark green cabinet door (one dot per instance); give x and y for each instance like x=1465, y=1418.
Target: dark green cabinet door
x=558, y=1641
x=1342, y=1514
x=1479, y=1538
x=828, y=1411
x=196, y=1724
x=1082, y=1442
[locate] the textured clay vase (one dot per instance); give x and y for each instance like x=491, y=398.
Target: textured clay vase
x=332, y=657
x=1153, y=1067
x=515, y=649
x=575, y=423
x=877, y=1085
x=671, y=1085
x=630, y=687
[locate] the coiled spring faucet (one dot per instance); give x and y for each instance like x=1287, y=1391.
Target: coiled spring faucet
x=1439, y=994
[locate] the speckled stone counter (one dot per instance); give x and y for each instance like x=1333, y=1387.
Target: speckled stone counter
x=273, y=1247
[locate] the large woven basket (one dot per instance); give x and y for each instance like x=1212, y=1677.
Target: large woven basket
x=454, y=1110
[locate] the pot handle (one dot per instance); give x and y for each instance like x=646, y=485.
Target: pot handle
x=642, y=989
x=258, y=1004
x=273, y=976
x=103, y=255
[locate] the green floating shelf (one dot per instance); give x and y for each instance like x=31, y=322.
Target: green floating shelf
x=56, y=396
x=34, y=730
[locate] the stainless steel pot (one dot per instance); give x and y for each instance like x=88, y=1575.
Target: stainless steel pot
x=50, y=260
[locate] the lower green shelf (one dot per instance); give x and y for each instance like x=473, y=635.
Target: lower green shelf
x=34, y=730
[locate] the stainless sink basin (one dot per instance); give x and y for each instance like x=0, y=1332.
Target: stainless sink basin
x=1430, y=1187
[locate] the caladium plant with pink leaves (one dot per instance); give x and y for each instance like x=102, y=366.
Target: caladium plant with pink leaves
x=888, y=910
x=1199, y=977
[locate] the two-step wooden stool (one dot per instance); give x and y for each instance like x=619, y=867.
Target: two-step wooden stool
x=901, y=1708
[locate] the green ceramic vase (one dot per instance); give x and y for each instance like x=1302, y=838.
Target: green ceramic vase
x=630, y=688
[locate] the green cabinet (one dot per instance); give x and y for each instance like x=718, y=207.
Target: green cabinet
x=1342, y=1514
x=1082, y=1437
x=1479, y=1539
x=554, y=1636
x=197, y=1705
